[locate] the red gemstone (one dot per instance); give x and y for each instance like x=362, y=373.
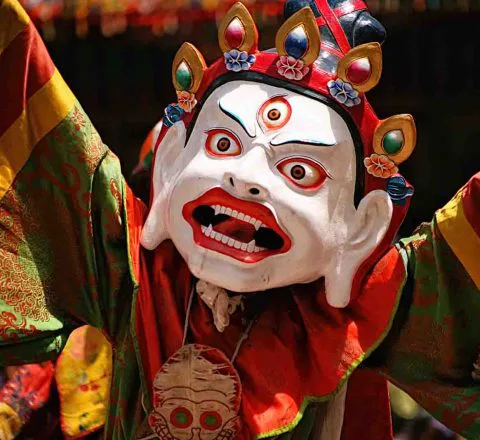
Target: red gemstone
x=235, y=33
x=359, y=71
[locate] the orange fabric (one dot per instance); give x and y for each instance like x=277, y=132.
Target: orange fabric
x=146, y=146
x=471, y=202
x=24, y=68
x=14, y=19
x=299, y=350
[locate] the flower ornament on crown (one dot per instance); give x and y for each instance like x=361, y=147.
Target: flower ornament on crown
x=238, y=38
x=298, y=45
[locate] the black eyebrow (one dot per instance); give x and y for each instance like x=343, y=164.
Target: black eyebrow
x=302, y=142
x=235, y=118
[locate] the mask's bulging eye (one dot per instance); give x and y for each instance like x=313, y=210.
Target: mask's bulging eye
x=222, y=142
x=181, y=417
x=210, y=420
x=275, y=113
x=303, y=172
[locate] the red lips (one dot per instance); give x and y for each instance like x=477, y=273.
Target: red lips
x=232, y=226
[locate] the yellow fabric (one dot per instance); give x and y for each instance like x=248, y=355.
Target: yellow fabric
x=83, y=374
x=460, y=236
x=44, y=110
x=13, y=19
x=10, y=422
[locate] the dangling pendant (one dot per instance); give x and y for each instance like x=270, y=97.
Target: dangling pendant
x=196, y=396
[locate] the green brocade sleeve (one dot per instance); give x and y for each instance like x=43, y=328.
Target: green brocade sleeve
x=436, y=336
x=63, y=250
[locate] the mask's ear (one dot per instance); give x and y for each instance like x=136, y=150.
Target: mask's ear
x=371, y=222
x=167, y=166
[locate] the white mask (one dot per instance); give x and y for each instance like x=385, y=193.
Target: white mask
x=262, y=194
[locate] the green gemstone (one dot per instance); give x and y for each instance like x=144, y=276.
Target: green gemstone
x=183, y=76
x=181, y=418
x=393, y=141
x=210, y=420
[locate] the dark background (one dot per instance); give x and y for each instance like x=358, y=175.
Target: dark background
x=431, y=70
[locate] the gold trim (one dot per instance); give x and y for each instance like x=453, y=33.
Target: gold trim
x=195, y=62
x=43, y=112
x=305, y=18
x=14, y=20
x=373, y=52
x=460, y=235
x=406, y=124
x=250, y=40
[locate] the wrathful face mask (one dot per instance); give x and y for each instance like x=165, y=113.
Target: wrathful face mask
x=261, y=195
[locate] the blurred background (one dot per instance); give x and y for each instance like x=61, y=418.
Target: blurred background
x=116, y=56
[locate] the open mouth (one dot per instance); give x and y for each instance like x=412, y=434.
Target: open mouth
x=244, y=230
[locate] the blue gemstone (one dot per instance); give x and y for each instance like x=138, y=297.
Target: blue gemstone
x=296, y=43
x=398, y=190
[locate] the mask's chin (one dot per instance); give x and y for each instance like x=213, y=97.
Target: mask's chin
x=244, y=231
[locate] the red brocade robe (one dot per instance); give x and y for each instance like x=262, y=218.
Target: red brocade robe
x=70, y=253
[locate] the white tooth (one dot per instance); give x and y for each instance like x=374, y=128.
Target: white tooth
x=252, y=221
x=263, y=225
x=231, y=241
x=251, y=246
x=240, y=215
x=224, y=239
x=256, y=249
x=258, y=224
x=218, y=236
x=217, y=209
x=234, y=214
x=244, y=246
x=228, y=211
x=222, y=210
x=246, y=218
x=237, y=245
x=203, y=228
x=209, y=231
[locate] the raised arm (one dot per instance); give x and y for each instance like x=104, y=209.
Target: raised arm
x=63, y=241
x=436, y=337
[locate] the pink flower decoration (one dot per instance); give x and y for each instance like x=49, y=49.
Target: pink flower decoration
x=381, y=166
x=291, y=68
x=186, y=100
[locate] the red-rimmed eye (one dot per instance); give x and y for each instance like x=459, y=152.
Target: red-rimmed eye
x=303, y=172
x=275, y=113
x=181, y=417
x=222, y=143
x=210, y=420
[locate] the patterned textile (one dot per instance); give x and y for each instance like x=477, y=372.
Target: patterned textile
x=431, y=354
x=26, y=390
x=83, y=374
x=58, y=180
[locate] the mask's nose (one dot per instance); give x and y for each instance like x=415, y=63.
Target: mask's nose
x=244, y=187
x=249, y=180
x=195, y=434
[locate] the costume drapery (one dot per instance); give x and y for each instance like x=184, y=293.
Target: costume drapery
x=69, y=243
